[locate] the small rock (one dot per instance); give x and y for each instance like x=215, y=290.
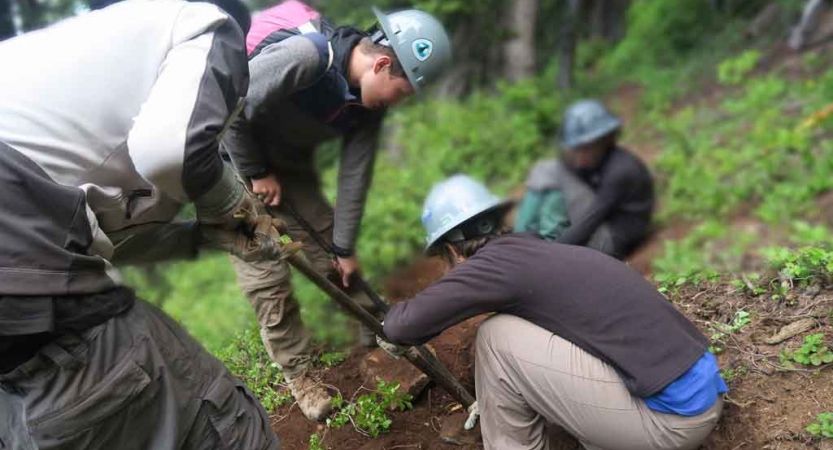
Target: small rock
x=380, y=366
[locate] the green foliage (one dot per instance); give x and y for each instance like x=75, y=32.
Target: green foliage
x=720, y=331
x=315, y=443
x=201, y=295
x=733, y=71
x=805, y=265
x=332, y=359
x=662, y=31
x=730, y=374
x=494, y=138
x=814, y=351
x=749, y=151
x=247, y=359
x=694, y=259
x=823, y=426
x=749, y=283
x=369, y=412
x=804, y=233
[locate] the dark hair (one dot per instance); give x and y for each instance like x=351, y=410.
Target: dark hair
x=467, y=247
x=369, y=48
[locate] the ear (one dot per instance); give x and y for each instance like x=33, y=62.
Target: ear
x=457, y=257
x=381, y=63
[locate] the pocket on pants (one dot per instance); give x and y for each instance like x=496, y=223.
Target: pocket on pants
x=86, y=418
x=228, y=413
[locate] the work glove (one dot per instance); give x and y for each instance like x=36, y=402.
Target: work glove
x=392, y=349
x=229, y=203
x=264, y=242
x=474, y=414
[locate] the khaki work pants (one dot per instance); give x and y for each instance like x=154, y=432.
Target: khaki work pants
x=137, y=381
x=267, y=284
x=529, y=379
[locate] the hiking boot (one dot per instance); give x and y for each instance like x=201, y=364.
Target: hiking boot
x=312, y=398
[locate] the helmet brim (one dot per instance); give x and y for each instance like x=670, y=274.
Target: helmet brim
x=503, y=207
x=384, y=24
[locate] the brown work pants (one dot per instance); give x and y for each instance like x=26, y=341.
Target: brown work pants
x=267, y=284
x=529, y=379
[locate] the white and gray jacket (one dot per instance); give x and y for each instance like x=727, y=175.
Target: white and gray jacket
x=127, y=104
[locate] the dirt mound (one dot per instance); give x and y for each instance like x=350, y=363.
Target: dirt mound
x=768, y=406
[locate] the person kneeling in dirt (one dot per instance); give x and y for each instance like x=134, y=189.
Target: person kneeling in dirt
x=609, y=359
x=598, y=194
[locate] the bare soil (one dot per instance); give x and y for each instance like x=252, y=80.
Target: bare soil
x=767, y=407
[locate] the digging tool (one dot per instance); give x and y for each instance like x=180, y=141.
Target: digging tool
x=419, y=356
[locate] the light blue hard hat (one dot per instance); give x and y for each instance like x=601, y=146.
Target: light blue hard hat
x=585, y=121
x=453, y=202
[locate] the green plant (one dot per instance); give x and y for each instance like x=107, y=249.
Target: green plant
x=719, y=331
x=332, y=359
x=315, y=442
x=733, y=71
x=246, y=358
x=823, y=426
x=749, y=283
x=813, y=351
x=730, y=374
x=688, y=261
x=369, y=411
x=805, y=265
x=804, y=233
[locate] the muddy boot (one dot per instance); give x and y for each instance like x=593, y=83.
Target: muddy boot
x=312, y=398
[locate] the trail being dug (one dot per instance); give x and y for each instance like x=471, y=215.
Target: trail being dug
x=768, y=406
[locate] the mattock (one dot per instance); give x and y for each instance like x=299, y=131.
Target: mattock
x=419, y=356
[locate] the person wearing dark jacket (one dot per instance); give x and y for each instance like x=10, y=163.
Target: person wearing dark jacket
x=598, y=194
x=99, y=150
x=606, y=357
x=311, y=83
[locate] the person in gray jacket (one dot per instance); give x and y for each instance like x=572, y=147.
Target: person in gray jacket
x=310, y=84
x=109, y=123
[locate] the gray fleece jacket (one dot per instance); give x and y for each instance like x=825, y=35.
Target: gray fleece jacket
x=299, y=98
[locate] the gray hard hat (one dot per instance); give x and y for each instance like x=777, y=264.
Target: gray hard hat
x=455, y=201
x=419, y=41
x=585, y=121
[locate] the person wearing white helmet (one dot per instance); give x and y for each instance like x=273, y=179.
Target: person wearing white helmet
x=597, y=194
x=608, y=359
x=310, y=83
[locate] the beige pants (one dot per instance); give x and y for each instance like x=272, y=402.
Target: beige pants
x=529, y=379
x=267, y=284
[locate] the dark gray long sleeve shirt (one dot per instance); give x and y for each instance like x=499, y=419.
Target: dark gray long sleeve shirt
x=276, y=131
x=593, y=300
x=624, y=200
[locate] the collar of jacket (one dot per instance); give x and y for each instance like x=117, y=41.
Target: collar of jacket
x=344, y=40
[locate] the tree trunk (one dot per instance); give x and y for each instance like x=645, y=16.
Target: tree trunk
x=608, y=19
x=32, y=14
x=7, y=29
x=520, y=49
x=808, y=24
x=567, y=46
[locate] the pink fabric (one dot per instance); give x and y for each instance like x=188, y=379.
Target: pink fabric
x=289, y=14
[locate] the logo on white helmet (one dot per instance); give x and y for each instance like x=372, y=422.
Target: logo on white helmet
x=423, y=48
